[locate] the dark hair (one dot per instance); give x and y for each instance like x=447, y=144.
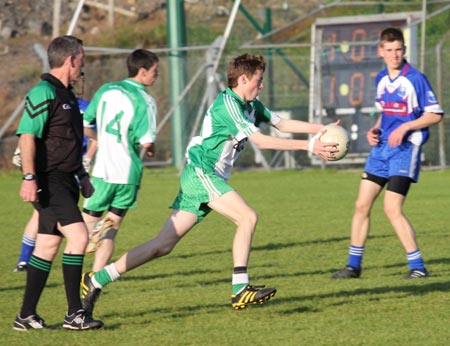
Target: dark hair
x=140, y=58
x=246, y=64
x=62, y=47
x=391, y=34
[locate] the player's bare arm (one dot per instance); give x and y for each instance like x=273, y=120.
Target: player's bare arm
x=298, y=126
x=428, y=119
x=90, y=132
x=28, y=190
x=264, y=142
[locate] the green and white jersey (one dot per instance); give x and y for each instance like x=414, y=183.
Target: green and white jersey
x=125, y=116
x=226, y=126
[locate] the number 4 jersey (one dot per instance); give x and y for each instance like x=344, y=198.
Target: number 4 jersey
x=125, y=116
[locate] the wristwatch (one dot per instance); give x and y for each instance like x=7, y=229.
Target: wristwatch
x=29, y=176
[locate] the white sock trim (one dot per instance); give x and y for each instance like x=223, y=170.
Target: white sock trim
x=95, y=283
x=112, y=271
x=241, y=278
x=28, y=240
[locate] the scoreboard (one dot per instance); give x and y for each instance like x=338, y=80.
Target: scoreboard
x=344, y=64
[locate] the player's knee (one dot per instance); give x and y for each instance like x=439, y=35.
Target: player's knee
x=250, y=218
x=164, y=247
x=362, y=207
x=83, y=244
x=49, y=249
x=254, y=217
x=392, y=212
x=164, y=250
x=82, y=240
x=76, y=245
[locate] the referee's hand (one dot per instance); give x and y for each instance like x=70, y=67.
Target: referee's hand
x=29, y=191
x=86, y=187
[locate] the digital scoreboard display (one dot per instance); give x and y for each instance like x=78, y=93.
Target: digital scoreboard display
x=345, y=62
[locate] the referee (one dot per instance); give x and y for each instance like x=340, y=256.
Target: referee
x=51, y=136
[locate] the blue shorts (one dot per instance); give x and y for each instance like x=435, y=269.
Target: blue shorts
x=403, y=160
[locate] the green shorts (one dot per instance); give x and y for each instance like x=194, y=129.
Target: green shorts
x=197, y=189
x=107, y=195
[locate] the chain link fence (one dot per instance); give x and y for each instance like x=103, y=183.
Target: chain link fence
x=286, y=90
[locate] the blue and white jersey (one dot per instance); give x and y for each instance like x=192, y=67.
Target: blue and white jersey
x=403, y=99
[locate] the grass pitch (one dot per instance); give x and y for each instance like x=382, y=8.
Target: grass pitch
x=301, y=240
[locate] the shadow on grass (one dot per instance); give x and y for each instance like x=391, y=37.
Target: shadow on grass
x=294, y=304
x=190, y=273
x=428, y=263
x=172, y=312
x=59, y=327
x=268, y=247
x=345, y=297
x=375, y=293
x=297, y=304
x=187, y=273
x=22, y=287
x=275, y=246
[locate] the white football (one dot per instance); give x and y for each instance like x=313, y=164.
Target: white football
x=336, y=134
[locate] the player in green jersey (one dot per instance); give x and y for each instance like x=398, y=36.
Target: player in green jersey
x=235, y=117
x=125, y=117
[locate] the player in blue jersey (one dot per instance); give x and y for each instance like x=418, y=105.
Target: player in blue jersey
x=235, y=117
x=408, y=107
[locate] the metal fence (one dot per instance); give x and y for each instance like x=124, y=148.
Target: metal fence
x=286, y=90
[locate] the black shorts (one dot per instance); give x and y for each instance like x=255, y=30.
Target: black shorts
x=58, y=201
x=395, y=183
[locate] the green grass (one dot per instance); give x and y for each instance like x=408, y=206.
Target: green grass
x=302, y=238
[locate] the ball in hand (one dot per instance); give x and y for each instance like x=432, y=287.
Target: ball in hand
x=336, y=134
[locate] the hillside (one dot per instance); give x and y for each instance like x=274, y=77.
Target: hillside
x=25, y=23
